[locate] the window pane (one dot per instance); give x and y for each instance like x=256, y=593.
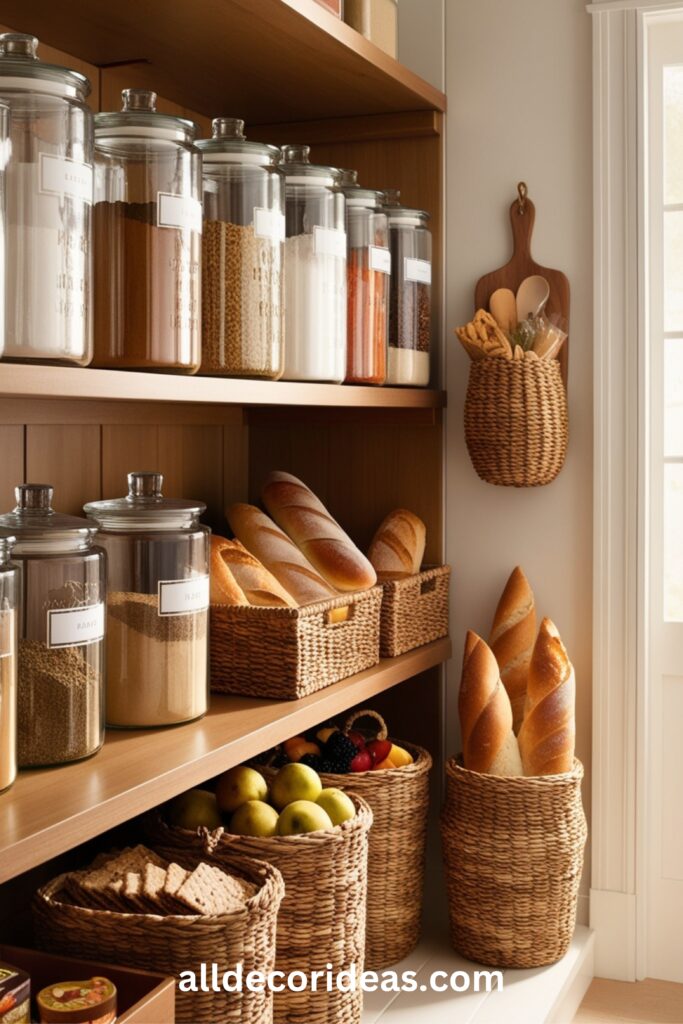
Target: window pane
x=673, y=134
x=673, y=396
x=673, y=270
x=673, y=543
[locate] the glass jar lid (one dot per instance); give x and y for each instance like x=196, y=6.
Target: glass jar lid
x=21, y=68
x=300, y=171
x=36, y=526
x=357, y=196
x=6, y=543
x=398, y=214
x=139, y=117
x=229, y=144
x=145, y=508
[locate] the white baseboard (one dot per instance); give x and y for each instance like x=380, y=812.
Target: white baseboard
x=613, y=919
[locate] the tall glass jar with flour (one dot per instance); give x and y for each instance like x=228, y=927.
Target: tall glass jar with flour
x=49, y=191
x=157, y=605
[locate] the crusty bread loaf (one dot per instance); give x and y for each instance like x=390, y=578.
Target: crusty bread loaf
x=398, y=547
x=279, y=554
x=232, y=565
x=512, y=639
x=546, y=739
x=488, y=743
x=296, y=509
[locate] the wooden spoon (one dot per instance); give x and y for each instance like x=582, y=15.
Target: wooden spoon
x=532, y=295
x=503, y=306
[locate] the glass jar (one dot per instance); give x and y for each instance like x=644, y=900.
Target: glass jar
x=244, y=231
x=147, y=239
x=49, y=191
x=8, y=666
x=368, y=275
x=410, y=300
x=61, y=631
x=315, y=270
x=157, y=605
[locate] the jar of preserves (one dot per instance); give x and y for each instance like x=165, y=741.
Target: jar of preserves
x=147, y=238
x=242, y=250
x=8, y=665
x=61, y=631
x=315, y=270
x=157, y=605
x=410, y=299
x=49, y=192
x=368, y=275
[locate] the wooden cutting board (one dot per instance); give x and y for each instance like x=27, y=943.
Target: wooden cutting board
x=521, y=265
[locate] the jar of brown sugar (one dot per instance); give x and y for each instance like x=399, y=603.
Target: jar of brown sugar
x=242, y=252
x=61, y=631
x=8, y=665
x=147, y=239
x=157, y=605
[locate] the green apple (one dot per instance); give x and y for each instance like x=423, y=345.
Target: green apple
x=238, y=785
x=194, y=809
x=337, y=804
x=255, y=818
x=295, y=782
x=302, y=816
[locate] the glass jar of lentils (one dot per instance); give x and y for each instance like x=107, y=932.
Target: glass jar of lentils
x=242, y=251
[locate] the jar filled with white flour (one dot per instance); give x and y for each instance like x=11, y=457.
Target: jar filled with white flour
x=157, y=605
x=315, y=270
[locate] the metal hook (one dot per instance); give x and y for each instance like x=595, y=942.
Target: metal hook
x=522, y=192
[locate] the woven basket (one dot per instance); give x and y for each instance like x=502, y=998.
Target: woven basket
x=322, y=917
x=287, y=653
x=414, y=611
x=173, y=944
x=516, y=425
x=399, y=801
x=513, y=855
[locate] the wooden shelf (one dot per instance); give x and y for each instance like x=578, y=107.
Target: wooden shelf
x=48, y=811
x=28, y=381
x=265, y=60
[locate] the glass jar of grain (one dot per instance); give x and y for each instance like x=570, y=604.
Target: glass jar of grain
x=157, y=605
x=8, y=665
x=242, y=251
x=61, y=631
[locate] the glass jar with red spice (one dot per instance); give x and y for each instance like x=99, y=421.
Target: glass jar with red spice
x=368, y=270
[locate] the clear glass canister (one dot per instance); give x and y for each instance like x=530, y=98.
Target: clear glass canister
x=8, y=665
x=157, y=605
x=61, y=631
x=147, y=239
x=410, y=300
x=242, y=249
x=49, y=192
x=4, y=157
x=368, y=276
x=315, y=270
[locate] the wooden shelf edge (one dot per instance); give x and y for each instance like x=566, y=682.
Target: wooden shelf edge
x=50, y=811
x=38, y=381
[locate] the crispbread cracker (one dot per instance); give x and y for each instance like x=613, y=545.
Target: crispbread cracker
x=103, y=887
x=208, y=890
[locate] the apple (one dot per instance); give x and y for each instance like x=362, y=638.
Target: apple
x=357, y=739
x=379, y=750
x=362, y=762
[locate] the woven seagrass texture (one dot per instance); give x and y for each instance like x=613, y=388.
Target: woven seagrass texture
x=173, y=944
x=414, y=611
x=516, y=425
x=399, y=801
x=513, y=854
x=322, y=917
x=287, y=653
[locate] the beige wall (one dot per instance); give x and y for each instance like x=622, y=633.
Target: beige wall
x=518, y=76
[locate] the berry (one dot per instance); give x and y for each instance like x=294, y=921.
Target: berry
x=313, y=761
x=362, y=762
x=339, y=751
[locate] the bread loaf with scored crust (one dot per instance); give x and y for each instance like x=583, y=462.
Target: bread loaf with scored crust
x=488, y=743
x=547, y=735
x=512, y=638
x=398, y=547
x=233, y=566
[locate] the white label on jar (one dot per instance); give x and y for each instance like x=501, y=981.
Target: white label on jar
x=64, y=177
x=269, y=224
x=329, y=242
x=418, y=270
x=181, y=597
x=179, y=212
x=380, y=259
x=74, y=627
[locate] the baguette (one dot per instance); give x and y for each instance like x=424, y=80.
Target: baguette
x=296, y=509
x=488, y=743
x=233, y=566
x=398, y=547
x=512, y=640
x=546, y=739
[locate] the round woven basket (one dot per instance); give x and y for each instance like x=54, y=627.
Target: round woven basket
x=321, y=923
x=513, y=855
x=173, y=944
x=516, y=424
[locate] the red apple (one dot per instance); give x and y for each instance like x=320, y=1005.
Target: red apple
x=379, y=751
x=357, y=739
x=362, y=762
